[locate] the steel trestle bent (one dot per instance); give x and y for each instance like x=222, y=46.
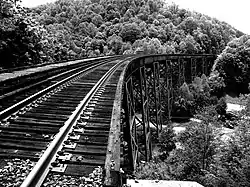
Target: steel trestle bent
x=150, y=83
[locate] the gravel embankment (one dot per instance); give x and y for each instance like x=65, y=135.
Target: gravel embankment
x=14, y=172
x=95, y=179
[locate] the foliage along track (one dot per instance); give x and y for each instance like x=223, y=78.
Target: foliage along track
x=27, y=133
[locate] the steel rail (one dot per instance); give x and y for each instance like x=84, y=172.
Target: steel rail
x=60, y=74
x=112, y=161
x=41, y=169
x=41, y=82
x=8, y=111
x=53, y=63
x=80, y=64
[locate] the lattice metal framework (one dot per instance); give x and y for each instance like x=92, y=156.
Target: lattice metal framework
x=193, y=68
x=149, y=85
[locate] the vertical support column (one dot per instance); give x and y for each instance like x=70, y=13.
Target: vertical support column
x=169, y=86
x=130, y=124
x=181, y=64
x=209, y=64
x=157, y=94
x=193, y=68
x=187, y=70
x=179, y=70
x=145, y=114
x=204, y=67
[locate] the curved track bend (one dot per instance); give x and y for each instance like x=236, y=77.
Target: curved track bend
x=27, y=83
x=65, y=125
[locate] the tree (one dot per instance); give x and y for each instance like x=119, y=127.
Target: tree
x=115, y=43
x=189, y=45
x=97, y=20
x=221, y=107
x=234, y=158
x=83, y=28
x=216, y=84
x=184, y=103
x=144, y=12
x=8, y=8
x=199, y=148
x=160, y=27
x=189, y=25
x=92, y=30
x=233, y=65
x=130, y=32
x=201, y=92
x=185, y=92
x=166, y=142
x=154, y=46
x=20, y=36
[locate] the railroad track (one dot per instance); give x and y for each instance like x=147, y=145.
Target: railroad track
x=15, y=90
x=64, y=128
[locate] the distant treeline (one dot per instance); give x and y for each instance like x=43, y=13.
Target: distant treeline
x=69, y=29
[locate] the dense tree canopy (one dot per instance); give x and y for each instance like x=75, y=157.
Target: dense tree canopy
x=135, y=23
x=233, y=64
x=70, y=29
x=20, y=36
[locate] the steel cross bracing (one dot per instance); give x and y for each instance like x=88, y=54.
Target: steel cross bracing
x=150, y=85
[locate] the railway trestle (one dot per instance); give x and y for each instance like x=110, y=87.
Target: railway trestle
x=104, y=114
x=148, y=84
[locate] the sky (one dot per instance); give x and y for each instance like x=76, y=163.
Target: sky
x=33, y=3
x=236, y=13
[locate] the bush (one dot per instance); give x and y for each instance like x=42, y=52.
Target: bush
x=221, y=107
x=166, y=142
x=233, y=65
x=21, y=37
x=182, y=108
x=202, y=156
x=183, y=104
x=216, y=84
x=154, y=170
x=234, y=158
x=201, y=92
x=248, y=105
x=193, y=97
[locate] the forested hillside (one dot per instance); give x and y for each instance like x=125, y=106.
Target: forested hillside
x=69, y=29
x=90, y=28
x=20, y=36
x=233, y=65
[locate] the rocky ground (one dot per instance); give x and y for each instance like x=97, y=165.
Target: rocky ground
x=95, y=179
x=14, y=171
